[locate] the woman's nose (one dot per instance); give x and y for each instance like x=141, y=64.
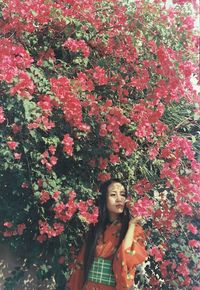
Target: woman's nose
x=120, y=198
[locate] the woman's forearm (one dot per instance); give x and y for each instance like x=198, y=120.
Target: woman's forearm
x=128, y=240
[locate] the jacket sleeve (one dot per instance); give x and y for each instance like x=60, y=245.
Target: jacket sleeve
x=76, y=278
x=126, y=260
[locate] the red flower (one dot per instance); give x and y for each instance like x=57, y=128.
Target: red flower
x=25, y=185
x=72, y=195
x=16, y=128
x=185, y=208
x=52, y=149
x=45, y=103
x=103, y=163
x=89, y=214
x=75, y=45
x=12, y=145
x=99, y=76
x=44, y=196
x=2, y=118
x=63, y=211
x=114, y=158
x=20, y=229
x=142, y=186
x=143, y=207
x=103, y=130
x=103, y=176
x=41, y=238
x=54, y=231
x=84, y=82
x=17, y=156
x=194, y=243
x=157, y=253
x=192, y=229
x=53, y=160
x=8, y=224
x=68, y=144
x=56, y=194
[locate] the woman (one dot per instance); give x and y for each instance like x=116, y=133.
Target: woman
x=114, y=246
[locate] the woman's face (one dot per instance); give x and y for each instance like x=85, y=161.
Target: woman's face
x=115, y=201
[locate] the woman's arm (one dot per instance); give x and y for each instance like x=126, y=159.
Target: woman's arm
x=129, y=237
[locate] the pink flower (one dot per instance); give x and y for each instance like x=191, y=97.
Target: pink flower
x=75, y=45
x=52, y=149
x=25, y=185
x=192, y=228
x=72, y=195
x=114, y=158
x=103, y=176
x=103, y=163
x=157, y=253
x=44, y=196
x=99, y=76
x=12, y=145
x=185, y=208
x=53, y=160
x=17, y=156
x=103, y=130
x=16, y=128
x=21, y=228
x=68, y=144
x=56, y=194
x=142, y=186
x=194, y=243
x=143, y=207
x=8, y=224
x=48, y=166
x=2, y=118
x=41, y=238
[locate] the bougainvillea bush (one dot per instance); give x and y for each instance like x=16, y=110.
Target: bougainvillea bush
x=92, y=90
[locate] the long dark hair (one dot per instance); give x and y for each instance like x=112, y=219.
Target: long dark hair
x=96, y=230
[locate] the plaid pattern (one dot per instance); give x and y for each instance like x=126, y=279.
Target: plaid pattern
x=101, y=272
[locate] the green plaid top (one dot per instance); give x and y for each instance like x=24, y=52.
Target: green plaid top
x=101, y=272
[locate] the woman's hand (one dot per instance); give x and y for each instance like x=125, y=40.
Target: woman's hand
x=136, y=220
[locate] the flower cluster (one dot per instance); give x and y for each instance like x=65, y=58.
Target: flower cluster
x=71, y=105
x=48, y=157
x=14, y=59
x=25, y=16
x=88, y=211
x=68, y=144
x=147, y=116
x=50, y=231
x=144, y=207
x=65, y=211
x=75, y=45
x=12, y=230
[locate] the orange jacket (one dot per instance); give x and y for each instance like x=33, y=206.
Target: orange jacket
x=124, y=262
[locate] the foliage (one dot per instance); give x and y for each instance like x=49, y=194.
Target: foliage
x=93, y=89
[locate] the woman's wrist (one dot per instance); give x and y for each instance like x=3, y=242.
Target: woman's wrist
x=132, y=222
x=135, y=220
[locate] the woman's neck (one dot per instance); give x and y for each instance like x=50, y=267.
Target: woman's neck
x=113, y=217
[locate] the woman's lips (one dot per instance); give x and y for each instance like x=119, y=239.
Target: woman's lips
x=120, y=206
